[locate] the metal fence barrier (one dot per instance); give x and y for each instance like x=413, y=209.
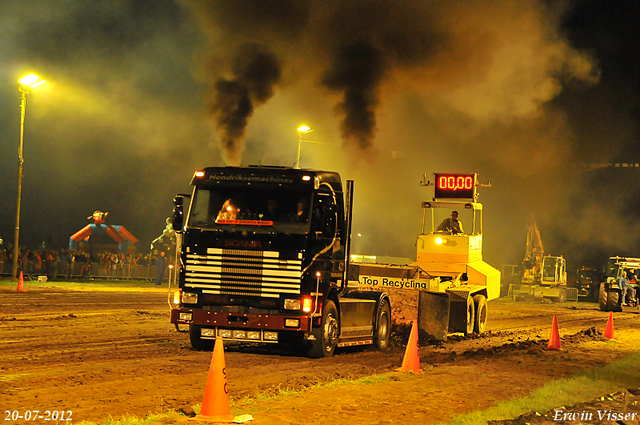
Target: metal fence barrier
x=87, y=270
x=571, y=294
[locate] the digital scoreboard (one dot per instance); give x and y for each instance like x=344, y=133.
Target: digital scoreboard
x=455, y=186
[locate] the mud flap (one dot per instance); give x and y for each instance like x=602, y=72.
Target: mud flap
x=433, y=314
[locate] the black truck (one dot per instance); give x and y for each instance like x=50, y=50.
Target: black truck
x=263, y=257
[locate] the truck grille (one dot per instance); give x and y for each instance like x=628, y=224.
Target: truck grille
x=243, y=272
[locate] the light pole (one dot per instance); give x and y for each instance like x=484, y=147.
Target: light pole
x=303, y=129
x=24, y=85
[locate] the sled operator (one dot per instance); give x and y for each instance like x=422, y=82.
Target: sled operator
x=451, y=225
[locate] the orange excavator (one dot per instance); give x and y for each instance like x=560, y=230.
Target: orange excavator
x=542, y=276
x=533, y=257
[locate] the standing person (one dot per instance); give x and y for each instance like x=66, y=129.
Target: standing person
x=631, y=275
x=451, y=225
x=160, y=268
x=37, y=267
x=27, y=265
x=624, y=283
x=3, y=256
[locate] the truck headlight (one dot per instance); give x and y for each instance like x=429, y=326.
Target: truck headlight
x=270, y=336
x=208, y=332
x=189, y=298
x=185, y=317
x=292, y=304
x=291, y=323
x=239, y=334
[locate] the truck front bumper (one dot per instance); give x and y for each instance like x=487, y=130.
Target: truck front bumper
x=240, y=321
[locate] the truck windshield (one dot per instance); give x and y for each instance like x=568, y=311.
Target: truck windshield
x=258, y=209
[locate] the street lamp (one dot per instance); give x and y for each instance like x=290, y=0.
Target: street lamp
x=303, y=129
x=26, y=82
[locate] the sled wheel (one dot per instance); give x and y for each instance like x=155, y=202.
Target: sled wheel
x=481, y=313
x=471, y=315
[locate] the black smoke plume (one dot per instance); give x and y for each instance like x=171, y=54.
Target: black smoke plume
x=256, y=71
x=357, y=72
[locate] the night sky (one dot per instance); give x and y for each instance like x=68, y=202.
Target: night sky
x=538, y=97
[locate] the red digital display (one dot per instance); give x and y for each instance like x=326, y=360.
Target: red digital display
x=458, y=186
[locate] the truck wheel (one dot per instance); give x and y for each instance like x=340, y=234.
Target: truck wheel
x=481, y=313
x=327, y=334
x=471, y=315
x=196, y=340
x=382, y=331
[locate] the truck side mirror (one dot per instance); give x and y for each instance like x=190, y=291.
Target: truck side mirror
x=178, y=213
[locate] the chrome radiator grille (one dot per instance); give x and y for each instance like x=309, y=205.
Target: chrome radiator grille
x=243, y=272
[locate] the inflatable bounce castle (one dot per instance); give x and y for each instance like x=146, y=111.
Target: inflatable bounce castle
x=118, y=233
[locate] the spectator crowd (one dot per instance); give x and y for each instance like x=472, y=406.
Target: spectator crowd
x=67, y=264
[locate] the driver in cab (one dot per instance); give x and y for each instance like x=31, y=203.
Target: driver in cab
x=451, y=225
x=229, y=211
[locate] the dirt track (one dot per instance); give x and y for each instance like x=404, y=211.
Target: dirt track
x=113, y=353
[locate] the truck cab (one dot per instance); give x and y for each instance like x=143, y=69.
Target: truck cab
x=262, y=258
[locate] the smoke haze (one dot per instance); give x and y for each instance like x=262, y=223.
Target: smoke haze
x=143, y=93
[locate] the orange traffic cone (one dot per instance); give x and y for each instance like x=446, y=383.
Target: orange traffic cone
x=215, y=403
x=608, y=333
x=20, y=283
x=411, y=361
x=554, y=339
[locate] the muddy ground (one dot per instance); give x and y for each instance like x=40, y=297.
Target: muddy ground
x=113, y=352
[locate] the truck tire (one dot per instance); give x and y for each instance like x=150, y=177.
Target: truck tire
x=382, y=332
x=196, y=340
x=480, y=302
x=327, y=334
